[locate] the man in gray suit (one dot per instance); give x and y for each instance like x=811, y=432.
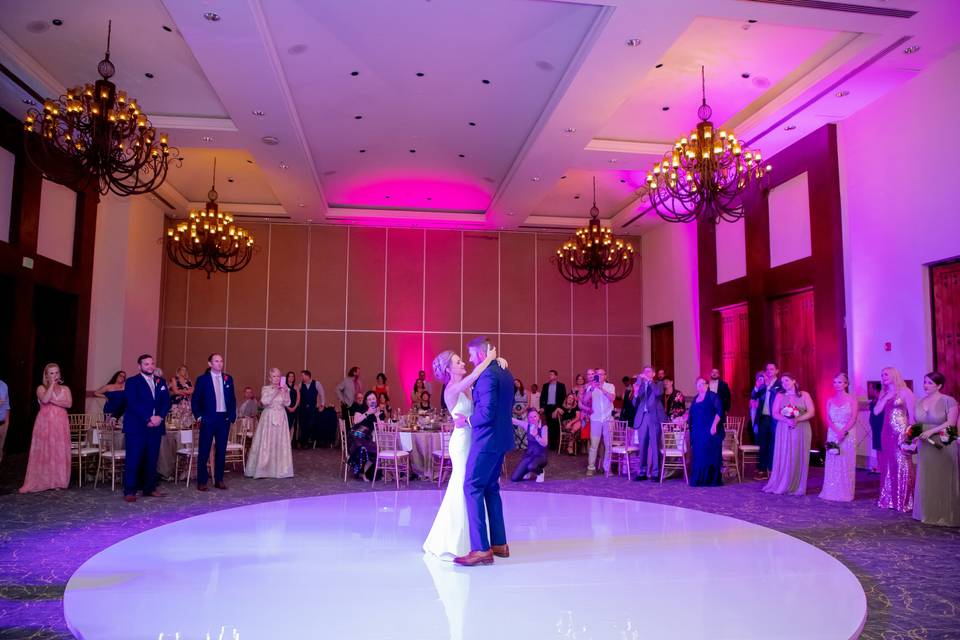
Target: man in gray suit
x=648, y=403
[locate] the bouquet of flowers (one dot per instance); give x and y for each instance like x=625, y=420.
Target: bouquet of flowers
x=790, y=411
x=833, y=448
x=939, y=440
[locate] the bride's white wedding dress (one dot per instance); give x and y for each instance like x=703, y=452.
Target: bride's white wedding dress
x=450, y=536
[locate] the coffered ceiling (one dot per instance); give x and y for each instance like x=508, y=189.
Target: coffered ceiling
x=478, y=113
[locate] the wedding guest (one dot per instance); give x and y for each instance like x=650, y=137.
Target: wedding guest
x=602, y=394
x=361, y=445
x=791, y=458
x=579, y=383
x=626, y=401
x=840, y=465
x=535, y=457
x=756, y=395
x=552, y=395
x=876, y=427
x=270, y=453
x=647, y=420
x=293, y=409
x=214, y=403
x=357, y=405
x=520, y=399
x=421, y=385
x=312, y=402
x=721, y=388
x=706, y=437
x=180, y=386
x=897, y=471
x=384, y=401
x=674, y=404
x=424, y=404
x=583, y=402
x=112, y=392
x=147, y=401
x=347, y=389
x=767, y=421
x=535, y=396
x=4, y=414
x=937, y=495
x=249, y=407
x=661, y=375
x=381, y=387
x=568, y=417
x=48, y=466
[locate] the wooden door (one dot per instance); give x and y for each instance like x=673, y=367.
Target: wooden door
x=945, y=295
x=794, y=344
x=661, y=349
x=732, y=357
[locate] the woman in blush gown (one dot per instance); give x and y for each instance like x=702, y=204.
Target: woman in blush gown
x=840, y=467
x=706, y=437
x=270, y=453
x=897, y=472
x=937, y=497
x=449, y=536
x=791, y=454
x=48, y=466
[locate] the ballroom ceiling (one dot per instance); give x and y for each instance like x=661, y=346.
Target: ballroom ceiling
x=469, y=113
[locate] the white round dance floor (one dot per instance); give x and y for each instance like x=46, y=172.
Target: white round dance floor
x=350, y=566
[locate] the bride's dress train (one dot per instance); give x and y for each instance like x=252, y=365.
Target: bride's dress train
x=450, y=536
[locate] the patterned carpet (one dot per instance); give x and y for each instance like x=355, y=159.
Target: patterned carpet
x=909, y=571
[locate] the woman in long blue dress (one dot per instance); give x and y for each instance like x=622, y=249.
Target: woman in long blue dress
x=706, y=438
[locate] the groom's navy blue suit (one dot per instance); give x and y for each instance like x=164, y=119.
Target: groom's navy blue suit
x=492, y=438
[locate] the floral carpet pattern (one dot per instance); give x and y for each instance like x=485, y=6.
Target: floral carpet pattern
x=909, y=571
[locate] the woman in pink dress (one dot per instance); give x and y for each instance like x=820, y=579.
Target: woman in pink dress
x=791, y=456
x=840, y=467
x=48, y=466
x=897, y=471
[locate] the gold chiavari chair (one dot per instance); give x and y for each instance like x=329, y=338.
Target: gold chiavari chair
x=187, y=441
x=748, y=453
x=673, y=448
x=621, y=446
x=112, y=455
x=733, y=436
x=236, y=443
x=81, y=446
x=441, y=456
x=344, y=453
x=394, y=459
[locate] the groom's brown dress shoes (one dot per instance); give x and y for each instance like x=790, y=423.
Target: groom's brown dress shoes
x=500, y=550
x=474, y=558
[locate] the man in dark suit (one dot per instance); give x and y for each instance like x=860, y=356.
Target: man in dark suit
x=147, y=404
x=214, y=403
x=766, y=421
x=721, y=388
x=552, y=395
x=491, y=439
x=648, y=416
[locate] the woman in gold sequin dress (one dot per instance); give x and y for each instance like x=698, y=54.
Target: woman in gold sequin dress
x=897, y=472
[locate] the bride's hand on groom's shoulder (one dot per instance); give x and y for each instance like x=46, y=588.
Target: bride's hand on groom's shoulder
x=502, y=362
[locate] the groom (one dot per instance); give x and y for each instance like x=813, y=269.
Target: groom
x=492, y=438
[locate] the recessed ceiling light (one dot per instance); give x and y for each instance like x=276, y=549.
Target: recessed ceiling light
x=166, y=28
x=612, y=160
x=535, y=179
x=206, y=139
x=790, y=127
x=634, y=42
x=301, y=205
x=570, y=130
x=29, y=101
x=622, y=181
x=57, y=22
x=745, y=75
x=413, y=150
x=362, y=151
x=563, y=177
x=249, y=161
x=358, y=117
x=842, y=94
x=461, y=155
x=912, y=49
x=284, y=165
x=665, y=108
x=387, y=197
x=429, y=198
x=354, y=73
x=229, y=179
x=659, y=66
x=258, y=112
x=485, y=81
x=576, y=197
x=420, y=74
x=472, y=124
x=752, y=21
x=211, y=16
x=149, y=75
x=270, y=140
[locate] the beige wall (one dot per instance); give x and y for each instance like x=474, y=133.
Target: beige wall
x=670, y=295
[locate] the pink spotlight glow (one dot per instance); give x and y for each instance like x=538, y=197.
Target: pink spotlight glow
x=419, y=193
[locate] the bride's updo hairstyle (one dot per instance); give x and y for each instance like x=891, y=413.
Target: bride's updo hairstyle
x=441, y=366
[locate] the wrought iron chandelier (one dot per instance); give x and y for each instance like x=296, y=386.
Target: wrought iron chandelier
x=704, y=176
x=209, y=239
x=593, y=254
x=97, y=135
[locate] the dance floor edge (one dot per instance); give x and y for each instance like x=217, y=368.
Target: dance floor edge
x=350, y=565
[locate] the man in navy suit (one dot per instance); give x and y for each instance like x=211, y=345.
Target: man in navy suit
x=214, y=403
x=492, y=437
x=147, y=403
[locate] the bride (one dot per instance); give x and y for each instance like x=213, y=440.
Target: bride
x=450, y=537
